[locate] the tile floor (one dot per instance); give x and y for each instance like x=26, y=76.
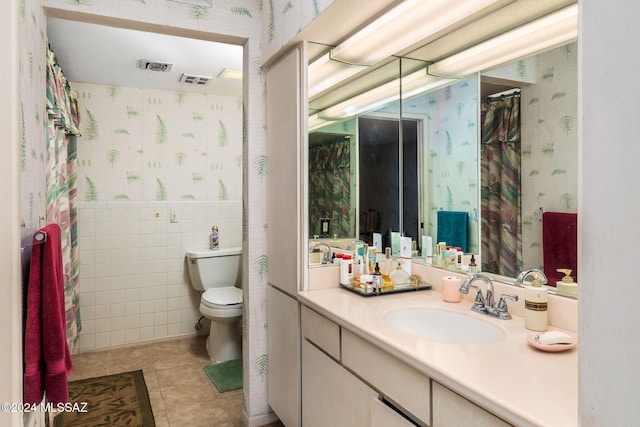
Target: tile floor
x=180, y=392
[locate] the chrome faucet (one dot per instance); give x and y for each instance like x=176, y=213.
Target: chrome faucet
x=540, y=276
x=352, y=246
x=485, y=305
x=326, y=257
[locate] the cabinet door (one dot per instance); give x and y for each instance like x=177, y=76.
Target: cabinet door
x=331, y=395
x=452, y=410
x=285, y=180
x=283, y=349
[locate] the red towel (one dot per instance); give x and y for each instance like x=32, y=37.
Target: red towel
x=46, y=354
x=559, y=245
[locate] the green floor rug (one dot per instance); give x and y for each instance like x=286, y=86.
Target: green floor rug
x=225, y=376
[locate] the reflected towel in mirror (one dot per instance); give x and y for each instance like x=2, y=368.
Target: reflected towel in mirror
x=453, y=229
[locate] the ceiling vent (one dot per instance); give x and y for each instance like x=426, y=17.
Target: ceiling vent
x=194, y=80
x=147, y=64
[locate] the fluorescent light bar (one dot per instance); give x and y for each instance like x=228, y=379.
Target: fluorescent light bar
x=554, y=30
x=412, y=84
x=325, y=73
x=407, y=24
x=230, y=73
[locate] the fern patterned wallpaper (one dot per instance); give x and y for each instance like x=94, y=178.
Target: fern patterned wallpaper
x=549, y=114
x=145, y=145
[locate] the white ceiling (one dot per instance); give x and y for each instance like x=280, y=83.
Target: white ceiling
x=91, y=53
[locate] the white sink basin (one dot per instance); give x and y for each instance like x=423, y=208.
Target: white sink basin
x=445, y=326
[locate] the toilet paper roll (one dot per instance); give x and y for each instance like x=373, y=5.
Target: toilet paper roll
x=451, y=289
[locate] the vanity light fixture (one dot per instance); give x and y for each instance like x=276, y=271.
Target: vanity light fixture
x=413, y=84
x=410, y=22
x=554, y=30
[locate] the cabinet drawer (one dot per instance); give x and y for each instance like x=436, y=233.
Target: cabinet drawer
x=321, y=331
x=406, y=387
x=383, y=416
x=451, y=409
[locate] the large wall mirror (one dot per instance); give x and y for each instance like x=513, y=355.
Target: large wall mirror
x=394, y=147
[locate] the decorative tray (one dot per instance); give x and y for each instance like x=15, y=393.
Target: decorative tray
x=362, y=289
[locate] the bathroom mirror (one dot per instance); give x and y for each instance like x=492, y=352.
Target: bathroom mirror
x=548, y=100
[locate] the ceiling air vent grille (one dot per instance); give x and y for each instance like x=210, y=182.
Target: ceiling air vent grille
x=194, y=79
x=147, y=64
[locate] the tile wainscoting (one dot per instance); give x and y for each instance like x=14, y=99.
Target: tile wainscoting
x=133, y=281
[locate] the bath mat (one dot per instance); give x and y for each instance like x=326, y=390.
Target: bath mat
x=112, y=400
x=225, y=376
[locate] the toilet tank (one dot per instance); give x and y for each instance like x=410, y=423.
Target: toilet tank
x=214, y=268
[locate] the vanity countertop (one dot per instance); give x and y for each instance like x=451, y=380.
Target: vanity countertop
x=509, y=378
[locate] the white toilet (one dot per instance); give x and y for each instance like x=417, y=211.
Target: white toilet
x=217, y=274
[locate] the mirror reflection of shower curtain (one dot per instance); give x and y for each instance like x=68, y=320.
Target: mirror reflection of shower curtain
x=330, y=187
x=501, y=222
x=62, y=131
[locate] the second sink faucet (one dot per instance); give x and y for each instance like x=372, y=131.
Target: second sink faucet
x=326, y=257
x=538, y=275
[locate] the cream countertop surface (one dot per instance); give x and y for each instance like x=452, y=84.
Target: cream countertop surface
x=509, y=378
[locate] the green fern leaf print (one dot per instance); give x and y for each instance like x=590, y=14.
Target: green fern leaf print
x=91, y=194
x=91, y=131
x=197, y=117
x=188, y=135
x=188, y=197
x=558, y=95
x=161, y=191
x=121, y=131
x=548, y=75
x=23, y=140
x=548, y=149
x=113, y=156
x=522, y=69
x=534, y=172
x=121, y=197
x=197, y=177
x=113, y=91
x=260, y=165
x=161, y=131
x=261, y=365
x=222, y=191
x=132, y=177
x=534, y=101
x=460, y=108
x=449, y=199
x=198, y=12
x=238, y=160
x=243, y=11
x=567, y=200
x=287, y=7
x=132, y=112
x=180, y=97
x=180, y=158
x=460, y=166
x=272, y=22
x=261, y=266
x=223, y=136
x=566, y=123
x=559, y=172
x=449, y=144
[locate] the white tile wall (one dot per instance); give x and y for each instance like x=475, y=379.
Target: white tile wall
x=134, y=286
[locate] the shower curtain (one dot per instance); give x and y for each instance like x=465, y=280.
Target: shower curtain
x=329, y=187
x=501, y=225
x=61, y=191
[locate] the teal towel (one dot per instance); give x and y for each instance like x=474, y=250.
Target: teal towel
x=453, y=229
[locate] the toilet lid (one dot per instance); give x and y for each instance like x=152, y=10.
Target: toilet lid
x=223, y=296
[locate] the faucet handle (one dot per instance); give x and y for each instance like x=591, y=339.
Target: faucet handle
x=501, y=310
x=479, y=306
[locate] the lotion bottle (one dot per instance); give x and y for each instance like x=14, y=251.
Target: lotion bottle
x=535, y=305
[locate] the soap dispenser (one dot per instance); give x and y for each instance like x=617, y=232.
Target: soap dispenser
x=535, y=305
x=567, y=285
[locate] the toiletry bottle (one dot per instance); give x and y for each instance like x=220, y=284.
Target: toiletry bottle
x=535, y=305
x=567, y=285
x=399, y=276
x=373, y=259
x=459, y=257
x=386, y=269
x=377, y=278
x=346, y=270
x=214, y=240
x=473, y=268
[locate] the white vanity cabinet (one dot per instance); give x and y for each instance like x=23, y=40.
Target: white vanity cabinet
x=452, y=410
x=333, y=395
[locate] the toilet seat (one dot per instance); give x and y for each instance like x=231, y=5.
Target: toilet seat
x=228, y=297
